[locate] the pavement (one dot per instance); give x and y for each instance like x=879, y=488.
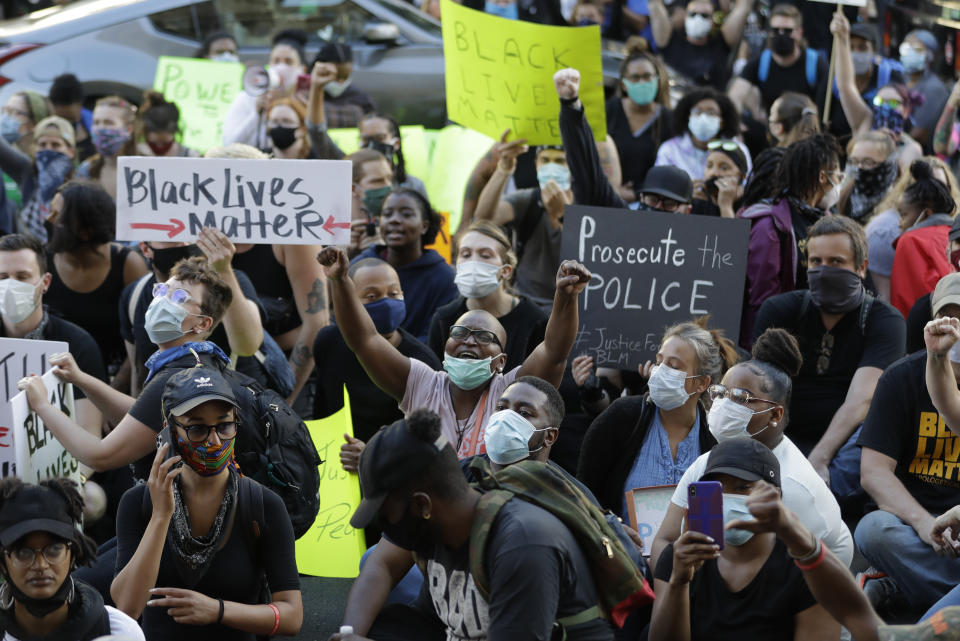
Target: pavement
x=323, y=602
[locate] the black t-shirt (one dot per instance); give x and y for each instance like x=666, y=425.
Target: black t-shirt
x=371, y=408
x=637, y=153
x=920, y=314
x=817, y=397
x=233, y=575
x=538, y=244
x=524, y=324
x=904, y=425
x=537, y=574
x=702, y=64
x=762, y=611
x=781, y=79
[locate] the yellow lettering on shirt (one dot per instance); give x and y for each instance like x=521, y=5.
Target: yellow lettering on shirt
x=928, y=423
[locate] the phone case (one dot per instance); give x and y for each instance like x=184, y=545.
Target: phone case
x=705, y=509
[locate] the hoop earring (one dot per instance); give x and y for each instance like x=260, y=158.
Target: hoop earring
x=6, y=598
x=73, y=591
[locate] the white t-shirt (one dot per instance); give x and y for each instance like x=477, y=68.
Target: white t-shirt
x=120, y=625
x=804, y=493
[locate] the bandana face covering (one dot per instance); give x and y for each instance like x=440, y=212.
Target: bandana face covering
x=870, y=186
x=203, y=459
x=886, y=117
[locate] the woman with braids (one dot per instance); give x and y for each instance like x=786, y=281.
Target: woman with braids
x=158, y=128
x=920, y=260
x=807, y=184
x=113, y=120
x=642, y=441
x=408, y=224
x=639, y=118
x=42, y=540
x=752, y=401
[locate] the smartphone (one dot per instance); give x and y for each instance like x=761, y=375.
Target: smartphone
x=163, y=437
x=705, y=509
x=303, y=82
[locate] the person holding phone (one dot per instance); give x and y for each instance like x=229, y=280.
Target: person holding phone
x=198, y=543
x=745, y=584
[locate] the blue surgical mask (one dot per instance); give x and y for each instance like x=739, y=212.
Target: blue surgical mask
x=468, y=373
x=507, y=437
x=911, y=59
x=10, y=129
x=226, y=56
x=555, y=172
x=642, y=93
x=735, y=508
x=164, y=319
x=387, y=314
x=862, y=62
x=509, y=12
x=704, y=127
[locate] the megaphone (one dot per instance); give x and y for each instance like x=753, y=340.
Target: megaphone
x=258, y=80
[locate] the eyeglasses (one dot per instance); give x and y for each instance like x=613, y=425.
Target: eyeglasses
x=660, y=202
x=482, y=336
x=893, y=103
x=823, y=357
x=176, y=294
x=200, y=433
x=735, y=394
x=863, y=163
x=23, y=556
x=726, y=145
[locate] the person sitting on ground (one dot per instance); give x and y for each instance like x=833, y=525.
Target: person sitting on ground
x=42, y=541
x=199, y=542
x=748, y=583
x=753, y=400
x=466, y=392
x=847, y=338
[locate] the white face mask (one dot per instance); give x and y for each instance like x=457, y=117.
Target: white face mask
x=862, y=62
x=225, y=56
x=335, y=89
x=287, y=74
x=704, y=127
x=729, y=420
x=476, y=279
x=17, y=299
x=831, y=197
x=697, y=27
x=668, y=387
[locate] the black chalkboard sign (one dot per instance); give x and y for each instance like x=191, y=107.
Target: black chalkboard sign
x=652, y=270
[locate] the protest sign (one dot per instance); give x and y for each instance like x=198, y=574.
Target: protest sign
x=852, y=3
x=652, y=270
x=203, y=91
x=19, y=357
x=287, y=202
x=39, y=454
x=331, y=548
x=646, y=507
x=499, y=73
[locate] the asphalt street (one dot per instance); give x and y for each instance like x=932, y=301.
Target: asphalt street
x=323, y=601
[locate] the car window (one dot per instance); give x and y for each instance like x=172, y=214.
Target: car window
x=254, y=22
x=193, y=21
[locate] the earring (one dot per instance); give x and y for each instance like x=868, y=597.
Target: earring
x=426, y=517
x=6, y=598
x=773, y=424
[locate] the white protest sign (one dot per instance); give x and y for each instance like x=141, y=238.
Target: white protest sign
x=646, y=507
x=39, y=454
x=286, y=202
x=851, y=3
x=19, y=357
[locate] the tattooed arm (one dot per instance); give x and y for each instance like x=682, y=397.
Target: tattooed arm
x=310, y=294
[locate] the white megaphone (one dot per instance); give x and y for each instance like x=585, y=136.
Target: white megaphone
x=258, y=80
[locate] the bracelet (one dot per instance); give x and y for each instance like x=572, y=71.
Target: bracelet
x=569, y=101
x=822, y=549
x=276, y=619
x=220, y=616
x=806, y=558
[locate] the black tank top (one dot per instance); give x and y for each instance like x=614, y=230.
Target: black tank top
x=96, y=311
x=273, y=287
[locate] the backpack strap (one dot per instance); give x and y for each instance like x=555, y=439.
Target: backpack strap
x=135, y=296
x=865, y=312
x=884, y=70
x=484, y=516
x=812, y=59
x=763, y=70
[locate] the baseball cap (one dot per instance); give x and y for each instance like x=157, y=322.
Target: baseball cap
x=394, y=456
x=744, y=458
x=669, y=182
x=865, y=30
x=942, y=626
x=35, y=508
x=947, y=292
x=926, y=37
x=64, y=129
x=189, y=388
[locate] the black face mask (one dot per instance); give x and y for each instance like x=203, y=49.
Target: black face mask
x=383, y=147
x=410, y=532
x=165, y=259
x=42, y=607
x=283, y=137
x=782, y=44
x=835, y=290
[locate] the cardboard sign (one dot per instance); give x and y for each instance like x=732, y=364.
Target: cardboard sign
x=499, y=73
x=39, y=454
x=647, y=506
x=19, y=357
x=331, y=548
x=203, y=91
x=652, y=270
x=287, y=202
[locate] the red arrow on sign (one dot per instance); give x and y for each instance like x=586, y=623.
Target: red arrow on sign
x=172, y=230
x=329, y=225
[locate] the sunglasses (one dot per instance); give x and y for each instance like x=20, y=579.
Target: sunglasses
x=482, y=336
x=893, y=103
x=726, y=145
x=176, y=294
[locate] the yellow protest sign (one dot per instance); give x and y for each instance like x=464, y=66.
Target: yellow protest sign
x=443, y=245
x=499, y=73
x=331, y=548
x=204, y=91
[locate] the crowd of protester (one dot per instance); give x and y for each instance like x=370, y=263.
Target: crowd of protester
x=493, y=458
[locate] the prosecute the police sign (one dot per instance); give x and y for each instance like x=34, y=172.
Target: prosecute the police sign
x=652, y=270
x=287, y=202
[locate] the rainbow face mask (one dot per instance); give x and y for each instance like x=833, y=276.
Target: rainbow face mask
x=203, y=459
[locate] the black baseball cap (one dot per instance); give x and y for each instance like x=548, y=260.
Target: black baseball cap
x=866, y=31
x=35, y=508
x=744, y=458
x=394, y=456
x=669, y=182
x=189, y=388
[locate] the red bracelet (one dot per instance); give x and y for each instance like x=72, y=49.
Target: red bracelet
x=276, y=619
x=816, y=562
